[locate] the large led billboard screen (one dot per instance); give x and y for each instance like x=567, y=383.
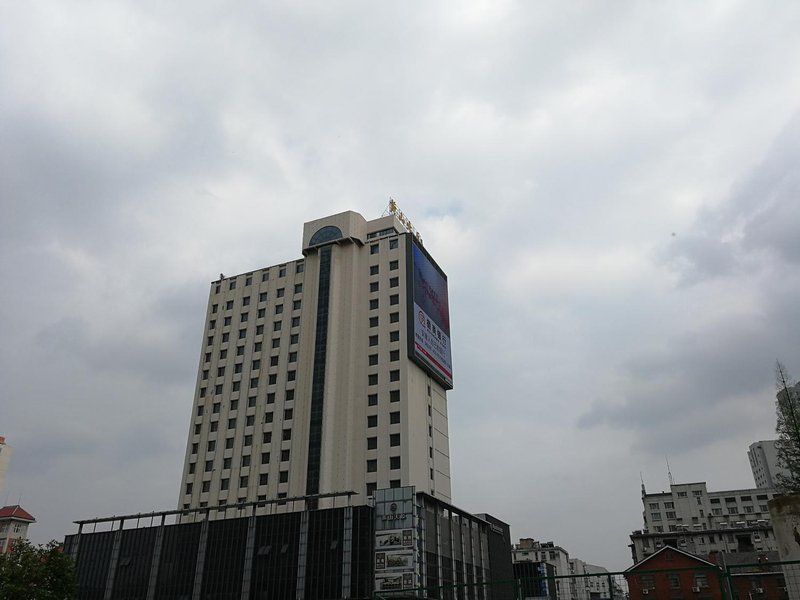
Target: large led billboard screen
x=429, y=315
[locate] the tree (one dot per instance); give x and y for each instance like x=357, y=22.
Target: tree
x=31, y=572
x=788, y=429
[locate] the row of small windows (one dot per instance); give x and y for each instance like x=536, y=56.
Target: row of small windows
x=394, y=441
x=372, y=378
x=276, y=326
x=394, y=300
x=393, y=282
x=255, y=366
x=211, y=446
x=261, y=313
x=393, y=266
x=245, y=462
x=394, y=336
x=272, y=379
x=375, y=248
x=393, y=318
x=394, y=419
x=244, y=481
x=257, y=347
x=262, y=297
x=394, y=396
x=299, y=267
x=394, y=355
x=372, y=464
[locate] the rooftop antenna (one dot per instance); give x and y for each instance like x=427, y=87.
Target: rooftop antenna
x=641, y=478
x=669, y=473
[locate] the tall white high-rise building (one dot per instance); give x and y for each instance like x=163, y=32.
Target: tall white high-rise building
x=324, y=374
x=764, y=463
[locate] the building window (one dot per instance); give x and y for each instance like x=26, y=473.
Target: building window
x=371, y=487
x=280, y=292
x=248, y=440
x=394, y=355
x=373, y=340
x=296, y=305
x=279, y=309
x=298, y=288
x=295, y=321
x=248, y=280
x=394, y=317
x=246, y=460
x=372, y=465
x=373, y=360
x=291, y=375
x=299, y=267
x=373, y=286
x=232, y=423
x=283, y=477
x=263, y=479
x=372, y=421
x=372, y=400
x=287, y=414
x=373, y=249
x=276, y=343
x=373, y=270
x=294, y=338
x=372, y=379
x=206, y=486
x=394, y=417
x=236, y=386
x=373, y=305
x=266, y=438
x=224, y=484
x=276, y=326
x=394, y=336
x=394, y=483
x=287, y=435
x=262, y=297
x=394, y=439
x=243, y=481
x=373, y=321
x=265, y=276
x=292, y=357
x=394, y=282
x=285, y=455
x=228, y=443
x=273, y=361
x=372, y=443
x=251, y=420
x=243, y=317
x=393, y=265
x=269, y=417
x=289, y=395
x=394, y=299
x=282, y=271
x=214, y=308
x=188, y=488
x=394, y=375
x=656, y=516
x=394, y=396
x=273, y=379
x=265, y=458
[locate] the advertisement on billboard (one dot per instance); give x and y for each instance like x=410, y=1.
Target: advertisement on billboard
x=429, y=315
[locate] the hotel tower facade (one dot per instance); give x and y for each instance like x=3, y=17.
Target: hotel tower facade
x=324, y=374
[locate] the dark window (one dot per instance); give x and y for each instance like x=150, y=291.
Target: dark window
x=394, y=396
x=394, y=282
x=394, y=317
x=372, y=465
x=373, y=270
x=243, y=317
x=372, y=443
x=298, y=288
x=280, y=292
x=393, y=244
x=287, y=414
x=373, y=340
x=373, y=359
x=243, y=481
x=394, y=417
x=284, y=455
x=372, y=379
x=283, y=476
x=263, y=479
x=373, y=249
x=262, y=297
x=279, y=309
x=372, y=421
x=394, y=355
x=394, y=299
x=394, y=375
x=393, y=264
x=373, y=305
x=372, y=400
x=373, y=286
x=373, y=321
x=287, y=435
x=394, y=462
x=394, y=439
x=394, y=336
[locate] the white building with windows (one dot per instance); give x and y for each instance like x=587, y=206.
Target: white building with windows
x=764, y=463
x=326, y=373
x=694, y=520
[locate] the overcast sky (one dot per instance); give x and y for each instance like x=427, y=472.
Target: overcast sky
x=612, y=187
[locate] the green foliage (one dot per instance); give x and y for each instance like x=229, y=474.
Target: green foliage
x=37, y=573
x=788, y=429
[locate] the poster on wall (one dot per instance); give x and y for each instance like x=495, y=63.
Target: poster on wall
x=402, y=560
x=400, y=581
x=429, y=318
x=394, y=538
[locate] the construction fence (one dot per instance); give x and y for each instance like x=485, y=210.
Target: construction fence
x=757, y=581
